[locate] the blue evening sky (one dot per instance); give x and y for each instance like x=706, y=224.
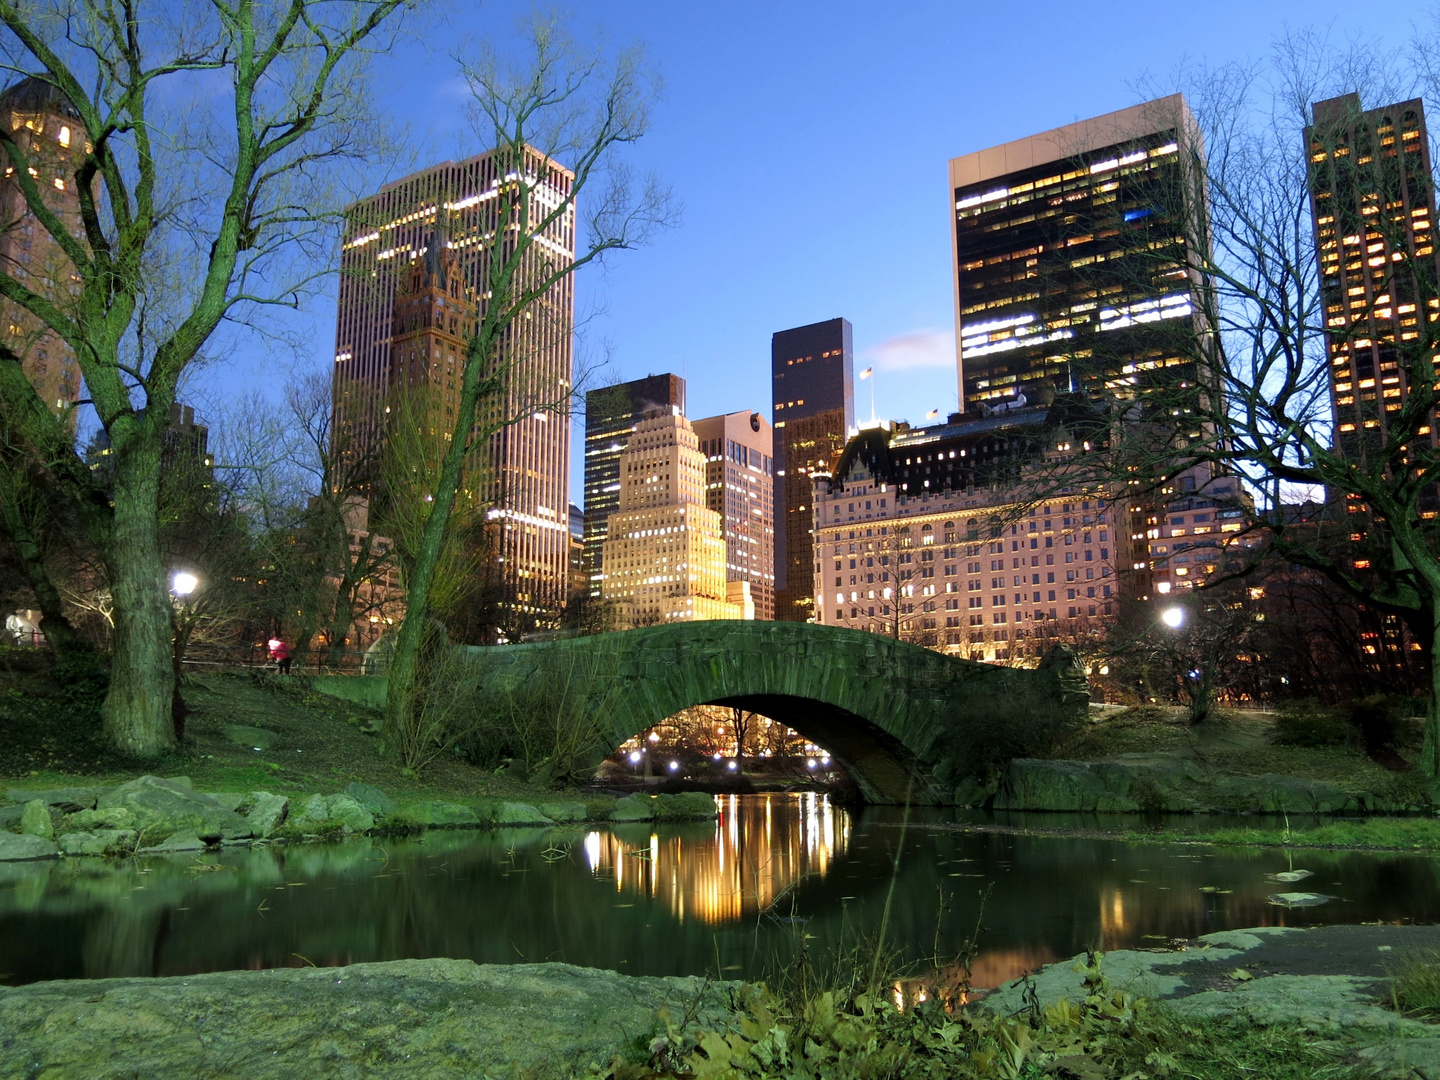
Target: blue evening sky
x=808, y=142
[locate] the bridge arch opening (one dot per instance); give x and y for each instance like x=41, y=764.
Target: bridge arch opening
x=882, y=769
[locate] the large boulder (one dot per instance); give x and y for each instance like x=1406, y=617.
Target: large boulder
x=331, y=813
x=434, y=1019
x=35, y=820
x=436, y=813
x=163, y=807
x=565, y=812
x=267, y=812
x=372, y=799
x=99, y=842
x=635, y=808
x=518, y=813
x=180, y=842
x=16, y=848
x=66, y=800
x=112, y=817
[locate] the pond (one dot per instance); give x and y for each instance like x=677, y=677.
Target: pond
x=735, y=897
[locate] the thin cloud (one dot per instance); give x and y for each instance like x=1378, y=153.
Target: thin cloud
x=913, y=351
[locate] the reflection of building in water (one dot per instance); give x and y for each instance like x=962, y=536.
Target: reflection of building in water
x=760, y=849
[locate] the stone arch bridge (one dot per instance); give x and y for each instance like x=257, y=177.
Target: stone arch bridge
x=902, y=720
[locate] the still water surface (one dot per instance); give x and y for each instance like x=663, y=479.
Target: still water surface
x=734, y=897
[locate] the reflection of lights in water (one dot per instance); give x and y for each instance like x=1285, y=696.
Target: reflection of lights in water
x=757, y=851
x=1113, y=920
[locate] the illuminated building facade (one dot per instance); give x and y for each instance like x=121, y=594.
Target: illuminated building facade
x=433, y=321
x=525, y=462
x=1071, y=255
x=813, y=397
x=740, y=487
x=664, y=553
x=930, y=535
x=611, y=414
x=1373, y=199
x=45, y=129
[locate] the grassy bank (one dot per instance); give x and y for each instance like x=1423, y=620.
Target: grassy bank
x=243, y=733
x=1375, y=834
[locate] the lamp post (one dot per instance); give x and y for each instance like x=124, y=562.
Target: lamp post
x=183, y=584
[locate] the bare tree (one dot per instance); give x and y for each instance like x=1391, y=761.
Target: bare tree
x=192, y=211
x=568, y=106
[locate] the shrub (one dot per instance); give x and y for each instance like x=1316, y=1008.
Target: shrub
x=1375, y=719
x=1415, y=988
x=1308, y=723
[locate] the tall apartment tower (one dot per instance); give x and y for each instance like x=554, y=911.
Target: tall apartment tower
x=1073, y=273
x=524, y=463
x=665, y=555
x=813, y=395
x=740, y=487
x=46, y=130
x=1062, y=278
x=1373, y=199
x=611, y=415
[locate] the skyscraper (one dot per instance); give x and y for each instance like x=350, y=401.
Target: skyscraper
x=611, y=414
x=525, y=462
x=664, y=554
x=1373, y=199
x=740, y=487
x=813, y=395
x=45, y=129
x=1070, y=259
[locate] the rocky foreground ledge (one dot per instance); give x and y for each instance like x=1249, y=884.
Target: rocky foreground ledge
x=435, y=1019
x=443, y=1019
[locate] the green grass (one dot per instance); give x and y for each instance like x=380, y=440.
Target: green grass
x=1380, y=834
x=1416, y=986
x=49, y=738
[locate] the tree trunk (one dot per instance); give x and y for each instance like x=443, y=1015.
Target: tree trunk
x=142, y=679
x=64, y=642
x=1430, y=754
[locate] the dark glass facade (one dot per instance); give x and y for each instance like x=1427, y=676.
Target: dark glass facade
x=611, y=414
x=1071, y=268
x=813, y=394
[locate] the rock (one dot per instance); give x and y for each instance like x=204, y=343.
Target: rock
x=178, y=842
x=517, y=813
x=35, y=820
x=565, y=812
x=230, y=800
x=435, y=813
x=635, y=808
x=436, y=1019
x=163, y=807
x=183, y=781
x=257, y=738
x=372, y=799
x=99, y=842
x=10, y=816
x=16, y=847
x=67, y=800
x=313, y=812
x=349, y=814
x=686, y=806
x=267, y=812
x=113, y=817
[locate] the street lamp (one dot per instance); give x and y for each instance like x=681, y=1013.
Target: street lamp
x=1173, y=617
x=183, y=583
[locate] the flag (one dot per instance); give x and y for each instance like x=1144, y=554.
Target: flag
x=932, y=414
x=867, y=373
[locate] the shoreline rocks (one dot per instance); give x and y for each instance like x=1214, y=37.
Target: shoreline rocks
x=155, y=815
